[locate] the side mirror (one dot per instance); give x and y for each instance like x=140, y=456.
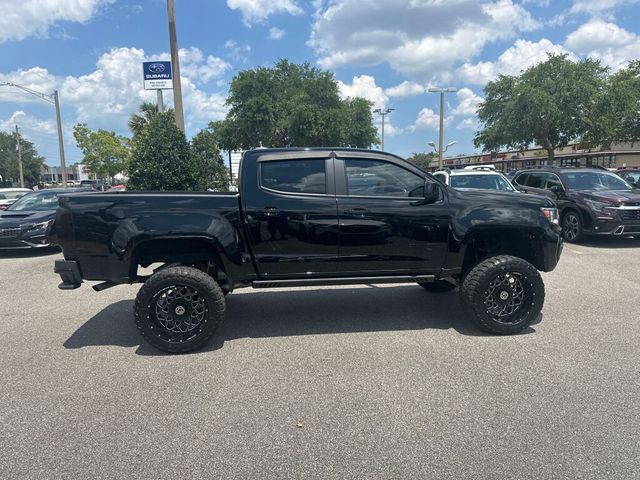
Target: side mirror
x=431, y=192
x=557, y=189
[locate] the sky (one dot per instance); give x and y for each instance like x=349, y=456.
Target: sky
x=388, y=51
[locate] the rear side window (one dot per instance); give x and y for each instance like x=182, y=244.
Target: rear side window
x=535, y=180
x=521, y=179
x=296, y=176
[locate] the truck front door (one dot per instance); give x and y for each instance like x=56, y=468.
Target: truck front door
x=292, y=216
x=385, y=226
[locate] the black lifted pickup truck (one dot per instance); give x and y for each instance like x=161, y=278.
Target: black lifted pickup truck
x=307, y=217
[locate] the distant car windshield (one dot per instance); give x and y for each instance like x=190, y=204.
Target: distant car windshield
x=487, y=182
x=37, y=201
x=595, y=181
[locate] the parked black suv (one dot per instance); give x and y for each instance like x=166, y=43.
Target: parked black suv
x=590, y=200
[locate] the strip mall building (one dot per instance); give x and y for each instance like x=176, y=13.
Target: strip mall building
x=618, y=156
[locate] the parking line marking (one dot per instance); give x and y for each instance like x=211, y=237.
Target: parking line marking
x=575, y=251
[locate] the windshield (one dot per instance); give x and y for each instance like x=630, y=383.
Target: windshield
x=595, y=181
x=487, y=182
x=36, y=201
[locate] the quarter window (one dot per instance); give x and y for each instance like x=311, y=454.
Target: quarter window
x=297, y=176
x=521, y=179
x=375, y=178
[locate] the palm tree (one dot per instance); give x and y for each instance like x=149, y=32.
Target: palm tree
x=138, y=122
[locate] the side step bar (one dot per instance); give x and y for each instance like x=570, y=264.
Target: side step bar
x=313, y=282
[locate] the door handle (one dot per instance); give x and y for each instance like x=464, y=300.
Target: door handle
x=357, y=212
x=270, y=211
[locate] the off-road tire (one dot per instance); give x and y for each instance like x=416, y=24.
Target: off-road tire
x=572, y=227
x=439, y=286
x=481, y=306
x=204, y=299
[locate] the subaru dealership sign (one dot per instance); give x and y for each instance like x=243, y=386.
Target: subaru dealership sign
x=157, y=75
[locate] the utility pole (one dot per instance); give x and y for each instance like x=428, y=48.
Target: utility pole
x=175, y=64
x=160, y=101
x=19, y=149
x=53, y=98
x=63, y=164
x=441, y=91
x=383, y=113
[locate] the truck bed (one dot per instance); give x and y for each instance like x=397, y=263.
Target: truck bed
x=107, y=230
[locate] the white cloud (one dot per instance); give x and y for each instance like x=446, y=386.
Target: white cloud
x=605, y=41
x=520, y=56
x=405, y=89
x=276, y=33
x=421, y=39
x=237, y=52
x=106, y=97
x=467, y=103
x=427, y=119
x=36, y=78
x=468, y=124
x=364, y=86
x=28, y=124
x=596, y=7
x=193, y=64
x=257, y=11
x=23, y=18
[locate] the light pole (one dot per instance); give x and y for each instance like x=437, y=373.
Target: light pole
x=54, y=99
x=175, y=65
x=19, y=149
x=383, y=113
x=441, y=91
x=437, y=150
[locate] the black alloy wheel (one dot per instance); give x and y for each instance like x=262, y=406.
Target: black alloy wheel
x=572, y=227
x=179, y=308
x=503, y=294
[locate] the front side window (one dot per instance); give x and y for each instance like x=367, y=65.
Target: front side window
x=550, y=180
x=376, y=178
x=296, y=176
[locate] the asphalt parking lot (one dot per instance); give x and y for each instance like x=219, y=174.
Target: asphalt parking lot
x=384, y=382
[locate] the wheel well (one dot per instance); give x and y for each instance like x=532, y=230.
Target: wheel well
x=493, y=242
x=586, y=221
x=198, y=252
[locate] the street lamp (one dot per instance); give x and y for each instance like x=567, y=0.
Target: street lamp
x=446, y=147
x=442, y=91
x=383, y=113
x=53, y=99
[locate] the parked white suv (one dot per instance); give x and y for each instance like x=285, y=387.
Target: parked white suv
x=10, y=195
x=476, y=177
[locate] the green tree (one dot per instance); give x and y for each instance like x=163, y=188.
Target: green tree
x=161, y=158
x=616, y=114
x=550, y=104
x=105, y=153
x=422, y=159
x=32, y=163
x=292, y=105
x=208, y=165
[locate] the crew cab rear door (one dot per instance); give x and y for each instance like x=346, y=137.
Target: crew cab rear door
x=291, y=214
x=385, y=226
